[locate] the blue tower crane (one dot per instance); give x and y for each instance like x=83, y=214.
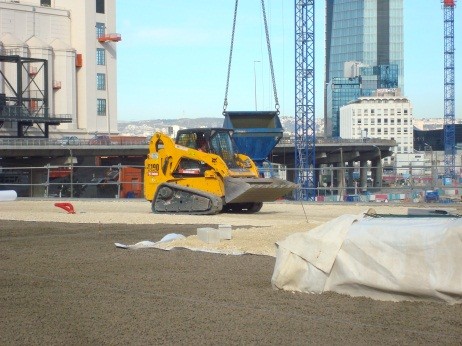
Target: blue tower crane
x=305, y=152
x=449, y=104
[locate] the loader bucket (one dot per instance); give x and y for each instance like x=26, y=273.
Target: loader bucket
x=244, y=190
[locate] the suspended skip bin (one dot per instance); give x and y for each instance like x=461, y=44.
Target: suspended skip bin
x=256, y=133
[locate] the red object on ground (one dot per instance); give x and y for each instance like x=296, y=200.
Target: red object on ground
x=66, y=206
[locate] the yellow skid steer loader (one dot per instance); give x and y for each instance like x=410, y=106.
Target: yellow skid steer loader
x=202, y=173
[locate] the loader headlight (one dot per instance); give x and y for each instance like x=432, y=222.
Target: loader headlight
x=247, y=163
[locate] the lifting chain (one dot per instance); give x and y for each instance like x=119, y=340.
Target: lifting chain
x=270, y=57
x=225, y=104
x=268, y=44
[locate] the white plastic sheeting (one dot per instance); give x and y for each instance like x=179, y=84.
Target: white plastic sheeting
x=384, y=258
x=147, y=244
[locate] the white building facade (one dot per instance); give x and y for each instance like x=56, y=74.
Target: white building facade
x=77, y=38
x=384, y=117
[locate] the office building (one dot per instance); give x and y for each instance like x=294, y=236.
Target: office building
x=386, y=115
x=340, y=91
x=362, y=81
x=368, y=33
x=79, y=41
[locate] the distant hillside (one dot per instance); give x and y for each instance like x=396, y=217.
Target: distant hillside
x=148, y=127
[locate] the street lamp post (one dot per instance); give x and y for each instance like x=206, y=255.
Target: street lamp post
x=255, y=82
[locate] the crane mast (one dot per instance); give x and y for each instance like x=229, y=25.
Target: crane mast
x=449, y=103
x=304, y=100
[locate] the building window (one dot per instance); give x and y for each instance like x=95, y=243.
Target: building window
x=101, y=106
x=99, y=6
x=100, y=56
x=100, y=29
x=46, y=3
x=100, y=81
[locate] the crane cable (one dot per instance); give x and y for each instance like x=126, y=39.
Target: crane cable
x=225, y=104
x=270, y=58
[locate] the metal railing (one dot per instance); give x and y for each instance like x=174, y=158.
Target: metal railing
x=45, y=142
x=410, y=186
x=127, y=140
x=73, y=181
x=21, y=113
x=322, y=140
x=333, y=185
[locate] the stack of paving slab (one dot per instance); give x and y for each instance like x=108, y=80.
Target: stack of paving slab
x=214, y=235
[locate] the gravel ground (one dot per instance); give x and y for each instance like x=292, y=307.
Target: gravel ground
x=252, y=233
x=66, y=283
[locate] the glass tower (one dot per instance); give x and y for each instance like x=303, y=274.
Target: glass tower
x=340, y=91
x=367, y=31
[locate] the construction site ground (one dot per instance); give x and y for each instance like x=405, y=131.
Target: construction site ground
x=63, y=281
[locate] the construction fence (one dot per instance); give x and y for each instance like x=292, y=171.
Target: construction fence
x=418, y=185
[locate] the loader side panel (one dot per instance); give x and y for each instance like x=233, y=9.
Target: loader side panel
x=168, y=162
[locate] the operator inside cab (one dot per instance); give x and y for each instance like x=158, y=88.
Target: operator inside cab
x=201, y=145
x=194, y=140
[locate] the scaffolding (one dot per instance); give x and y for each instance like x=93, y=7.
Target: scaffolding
x=24, y=98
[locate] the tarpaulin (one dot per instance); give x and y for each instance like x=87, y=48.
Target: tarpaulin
x=384, y=258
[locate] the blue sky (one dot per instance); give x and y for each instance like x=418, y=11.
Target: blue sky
x=173, y=57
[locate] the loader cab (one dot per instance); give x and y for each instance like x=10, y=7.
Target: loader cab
x=217, y=141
